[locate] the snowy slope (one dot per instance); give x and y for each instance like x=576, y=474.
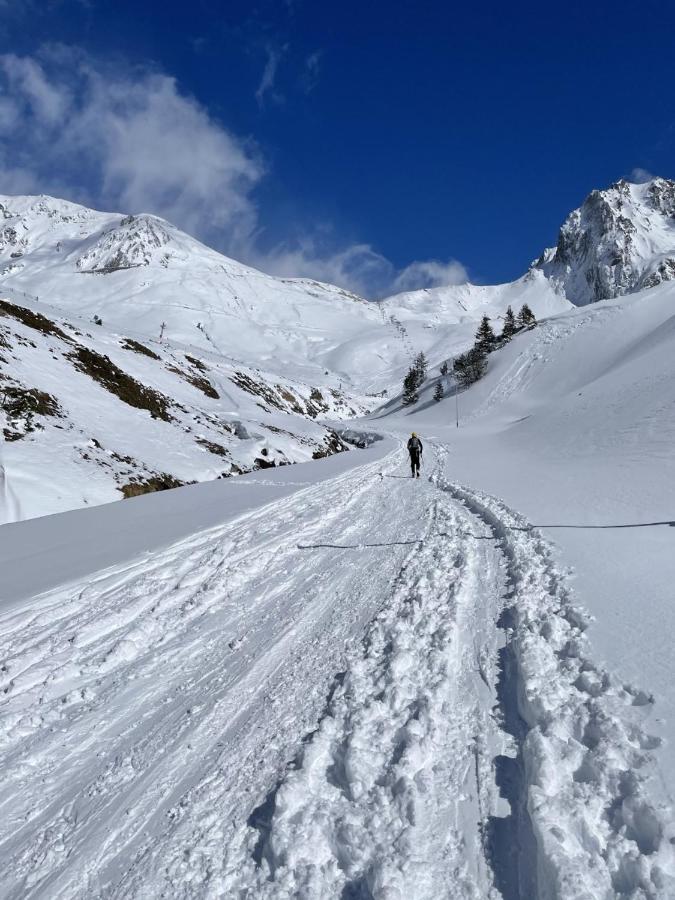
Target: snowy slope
x=442, y=321
x=88, y=416
x=138, y=273
x=241, y=356
x=194, y=740
x=574, y=426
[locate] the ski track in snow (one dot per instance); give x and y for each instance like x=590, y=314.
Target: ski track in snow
x=239, y=717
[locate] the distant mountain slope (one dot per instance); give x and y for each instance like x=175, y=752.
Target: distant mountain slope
x=88, y=416
x=443, y=320
x=141, y=275
x=225, y=368
x=620, y=240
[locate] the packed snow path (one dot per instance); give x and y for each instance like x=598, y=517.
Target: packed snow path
x=374, y=688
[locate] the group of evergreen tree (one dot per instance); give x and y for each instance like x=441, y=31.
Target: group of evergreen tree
x=414, y=379
x=472, y=365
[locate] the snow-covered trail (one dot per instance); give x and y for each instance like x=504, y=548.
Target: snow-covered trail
x=325, y=698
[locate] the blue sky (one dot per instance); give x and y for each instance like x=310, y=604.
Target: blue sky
x=380, y=145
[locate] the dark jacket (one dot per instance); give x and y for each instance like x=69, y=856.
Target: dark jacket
x=415, y=446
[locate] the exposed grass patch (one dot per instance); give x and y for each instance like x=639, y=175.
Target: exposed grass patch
x=212, y=447
x=202, y=384
x=162, y=482
x=123, y=386
x=316, y=403
x=291, y=399
x=197, y=363
x=32, y=320
x=130, y=344
x=17, y=401
x=21, y=405
x=257, y=388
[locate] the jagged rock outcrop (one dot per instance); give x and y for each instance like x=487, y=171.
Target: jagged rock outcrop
x=620, y=240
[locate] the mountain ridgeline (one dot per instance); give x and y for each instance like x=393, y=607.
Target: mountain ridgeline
x=144, y=359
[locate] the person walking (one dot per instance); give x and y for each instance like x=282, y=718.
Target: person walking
x=415, y=449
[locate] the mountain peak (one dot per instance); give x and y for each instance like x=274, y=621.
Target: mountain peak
x=620, y=240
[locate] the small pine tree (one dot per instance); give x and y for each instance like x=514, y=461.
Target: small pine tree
x=444, y=369
x=485, y=336
x=469, y=367
x=526, y=317
x=420, y=366
x=510, y=327
x=410, y=385
x=439, y=393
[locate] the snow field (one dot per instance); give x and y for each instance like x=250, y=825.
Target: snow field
x=585, y=750
x=393, y=789
x=374, y=688
x=153, y=698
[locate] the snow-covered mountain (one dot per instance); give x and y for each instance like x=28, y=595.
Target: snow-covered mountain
x=328, y=681
x=442, y=321
x=619, y=241
x=245, y=365
x=88, y=415
x=145, y=278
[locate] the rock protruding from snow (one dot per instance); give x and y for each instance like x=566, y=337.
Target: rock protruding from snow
x=137, y=241
x=620, y=240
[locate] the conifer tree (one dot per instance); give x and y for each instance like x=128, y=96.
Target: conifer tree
x=439, y=392
x=444, y=368
x=485, y=336
x=526, y=317
x=420, y=366
x=469, y=367
x=410, y=385
x=509, y=328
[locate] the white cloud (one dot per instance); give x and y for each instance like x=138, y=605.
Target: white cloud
x=359, y=268
x=269, y=75
x=640, y=176
x=129, y=140
x=429, y=274
x=27, y=78
x=310, y=75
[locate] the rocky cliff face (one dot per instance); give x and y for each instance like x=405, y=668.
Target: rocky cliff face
x=620, y=240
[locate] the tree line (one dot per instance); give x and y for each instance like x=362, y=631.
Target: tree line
x=468, y=367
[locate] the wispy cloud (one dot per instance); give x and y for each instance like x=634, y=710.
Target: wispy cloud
x=430, y=274
x=127, y=138
x=640, y=176
x=310, y=75
x=359, y=268
x=266, y=88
